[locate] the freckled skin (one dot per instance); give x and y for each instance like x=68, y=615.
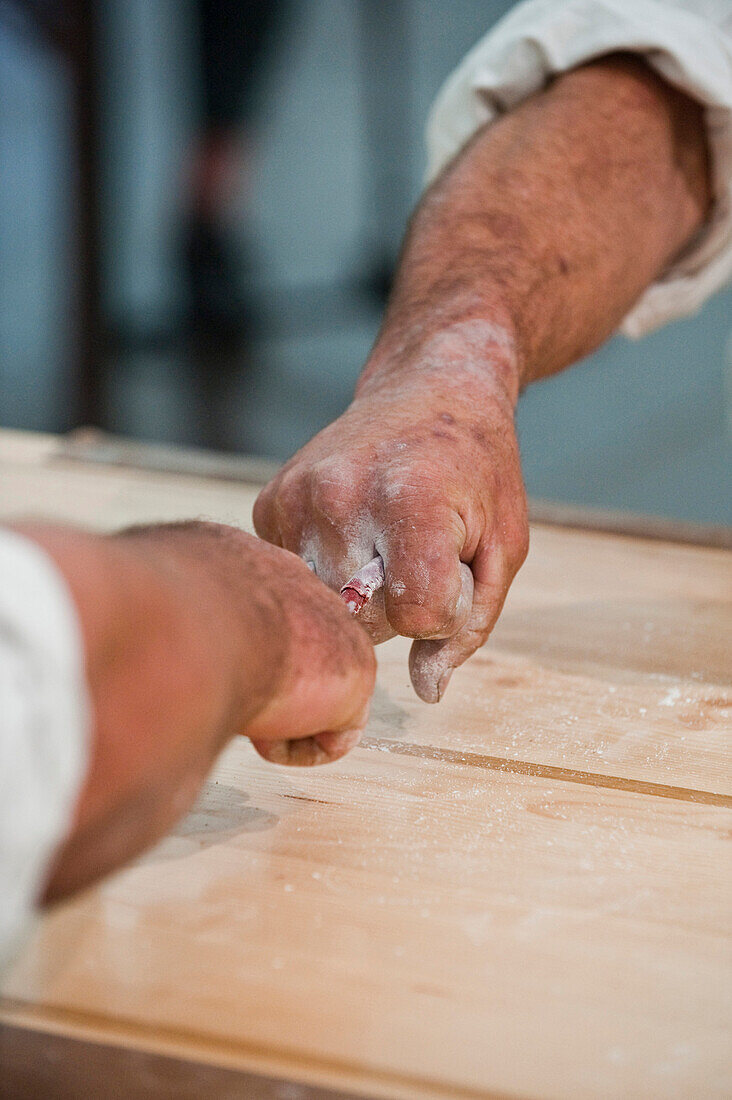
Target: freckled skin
x=522, y=257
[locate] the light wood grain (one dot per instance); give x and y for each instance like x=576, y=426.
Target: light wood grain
x=524, y=891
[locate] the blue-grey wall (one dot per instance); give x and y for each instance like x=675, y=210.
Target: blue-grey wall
x=643, y=426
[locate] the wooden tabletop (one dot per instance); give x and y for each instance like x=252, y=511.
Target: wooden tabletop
x=525, y=891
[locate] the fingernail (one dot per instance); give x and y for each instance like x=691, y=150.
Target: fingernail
x=443, y=682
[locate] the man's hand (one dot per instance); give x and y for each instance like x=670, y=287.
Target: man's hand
x=194, y=633
x=303, y=671
x=523, y=257
x=423, y=469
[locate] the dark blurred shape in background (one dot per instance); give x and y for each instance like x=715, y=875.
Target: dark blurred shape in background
x=234, y=38
x=201, y=203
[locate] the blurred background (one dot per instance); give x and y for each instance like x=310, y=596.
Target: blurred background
x=201, y=203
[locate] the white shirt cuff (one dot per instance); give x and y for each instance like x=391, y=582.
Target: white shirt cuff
x=541, y=38
x=44, y=726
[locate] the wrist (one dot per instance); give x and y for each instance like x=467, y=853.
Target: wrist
x=463, y=350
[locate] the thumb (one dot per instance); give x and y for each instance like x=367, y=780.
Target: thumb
x=432, y=662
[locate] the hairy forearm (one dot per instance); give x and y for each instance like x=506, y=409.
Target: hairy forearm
x=552, y=222
x=170, y=673
x=522, y=257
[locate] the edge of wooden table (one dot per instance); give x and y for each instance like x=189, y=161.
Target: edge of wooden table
x=91, y=446
x=88, y=446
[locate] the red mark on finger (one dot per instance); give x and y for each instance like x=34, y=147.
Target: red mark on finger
x=358, y=591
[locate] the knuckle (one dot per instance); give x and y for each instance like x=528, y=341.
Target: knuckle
x=414, y=619
x=331, y=493
x=519, y=545
x=288, y=503
x=486, y=609
x=289, y=495
x=518, y=532
x=262, y=513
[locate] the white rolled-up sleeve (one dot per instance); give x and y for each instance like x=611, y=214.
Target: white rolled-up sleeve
x=44, y=726
x=688, y=42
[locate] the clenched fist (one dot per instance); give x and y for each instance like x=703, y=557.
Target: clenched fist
x=193, y=633
x=423, y=469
